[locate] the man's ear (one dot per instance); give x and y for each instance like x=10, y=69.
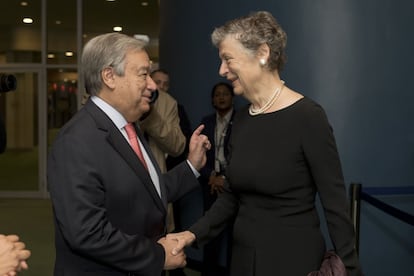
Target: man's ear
x=108, y=77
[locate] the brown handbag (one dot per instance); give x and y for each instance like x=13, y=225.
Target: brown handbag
x=332, y=265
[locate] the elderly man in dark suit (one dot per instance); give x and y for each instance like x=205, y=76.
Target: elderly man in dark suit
x=109, y=196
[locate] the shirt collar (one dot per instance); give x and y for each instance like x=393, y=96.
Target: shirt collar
x=111, y=112
x=226, y=118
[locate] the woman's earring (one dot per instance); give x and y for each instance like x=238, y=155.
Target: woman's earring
x=262, y=62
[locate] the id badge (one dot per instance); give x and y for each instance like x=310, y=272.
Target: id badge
x=217, y=166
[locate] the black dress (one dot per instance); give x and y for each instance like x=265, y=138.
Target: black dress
x=278, y=162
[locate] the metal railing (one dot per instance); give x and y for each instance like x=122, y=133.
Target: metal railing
x=357, y=194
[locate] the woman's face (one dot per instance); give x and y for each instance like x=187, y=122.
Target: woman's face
x=238, y=65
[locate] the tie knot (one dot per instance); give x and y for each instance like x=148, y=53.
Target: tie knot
x=130, y=130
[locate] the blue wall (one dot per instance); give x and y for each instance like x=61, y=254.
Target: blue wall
x=354, y=57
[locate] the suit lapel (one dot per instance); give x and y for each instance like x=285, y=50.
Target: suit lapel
x=119, y=143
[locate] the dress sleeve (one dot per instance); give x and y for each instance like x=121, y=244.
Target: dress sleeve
x=324, y=162
x=216, y=218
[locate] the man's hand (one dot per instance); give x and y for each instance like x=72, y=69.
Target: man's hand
x=198, y=146
x=13, y=255
x=172, y=261
x=182, y=240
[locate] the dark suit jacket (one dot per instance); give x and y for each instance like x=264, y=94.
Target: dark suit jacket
x=108, y=214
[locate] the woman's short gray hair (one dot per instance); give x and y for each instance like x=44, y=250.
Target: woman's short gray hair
x=254, y=30
x=107, y=50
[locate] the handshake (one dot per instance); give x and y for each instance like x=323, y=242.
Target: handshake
x=174, y=244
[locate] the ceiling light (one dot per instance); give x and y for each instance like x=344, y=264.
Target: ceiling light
x=144, y=4
x=27, y=20
x=58, y=22
x=142, y=37
x=69, y=54
x=117, y=28
x=24, y=4
x=50, y=55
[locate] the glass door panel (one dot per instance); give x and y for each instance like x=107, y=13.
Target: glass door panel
x=19, y=163
x=62, y=99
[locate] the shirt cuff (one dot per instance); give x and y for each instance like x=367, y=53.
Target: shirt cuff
x=195, y=172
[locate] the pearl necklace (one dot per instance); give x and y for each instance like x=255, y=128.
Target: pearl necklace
x=269, y=103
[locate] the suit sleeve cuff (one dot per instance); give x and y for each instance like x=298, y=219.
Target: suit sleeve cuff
x=195, y=172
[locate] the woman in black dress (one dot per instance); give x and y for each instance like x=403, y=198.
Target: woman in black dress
x=282, y=153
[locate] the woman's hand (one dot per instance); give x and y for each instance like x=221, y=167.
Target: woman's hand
x=183, y=239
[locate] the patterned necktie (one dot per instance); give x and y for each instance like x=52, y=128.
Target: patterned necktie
x=132, y=136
